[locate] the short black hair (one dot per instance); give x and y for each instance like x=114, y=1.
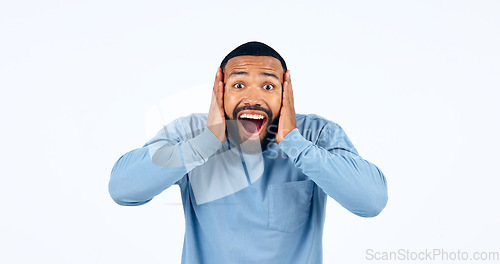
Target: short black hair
x=253, y=48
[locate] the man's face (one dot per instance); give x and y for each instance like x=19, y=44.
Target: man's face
x=252, y=96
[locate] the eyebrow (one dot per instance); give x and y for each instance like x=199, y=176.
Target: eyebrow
x=246, y=74
x=237, y=73
x=270, y=75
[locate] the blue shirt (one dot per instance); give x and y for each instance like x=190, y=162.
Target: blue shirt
x=239, y=207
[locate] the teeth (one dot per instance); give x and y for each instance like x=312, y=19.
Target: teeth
x=252, y=116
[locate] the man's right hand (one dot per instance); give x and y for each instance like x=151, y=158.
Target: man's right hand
x=216, y=120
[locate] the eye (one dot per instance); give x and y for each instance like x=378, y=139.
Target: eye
x=268, y=86
x=238, y=85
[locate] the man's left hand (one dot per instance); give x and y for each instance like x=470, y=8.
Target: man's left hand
x=287, y=121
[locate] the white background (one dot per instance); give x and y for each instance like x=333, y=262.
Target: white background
x=415, y=85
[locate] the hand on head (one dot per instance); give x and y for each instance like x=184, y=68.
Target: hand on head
x=216, y=121
x=287, y=121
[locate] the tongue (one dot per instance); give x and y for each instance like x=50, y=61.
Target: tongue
x=252, y=126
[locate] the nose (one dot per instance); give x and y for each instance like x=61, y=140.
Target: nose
x=253, y=96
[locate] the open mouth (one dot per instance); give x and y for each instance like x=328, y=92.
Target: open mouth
x=252, y=123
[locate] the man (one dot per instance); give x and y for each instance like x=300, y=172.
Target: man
x=254, y=176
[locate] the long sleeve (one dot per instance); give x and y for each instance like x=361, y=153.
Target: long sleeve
x=143, y=173
x=334, y=165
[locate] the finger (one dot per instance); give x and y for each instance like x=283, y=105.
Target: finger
x=289, y=87
x=218, y=88
x=220, y=95
x=218, y=78
x=286, y=87
x=283, y=94
x=215, y=91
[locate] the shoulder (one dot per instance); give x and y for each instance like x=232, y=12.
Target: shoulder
x=325, y=133
x=315, y=122
x=191, y=125
x=182, y=128
x=189, y=122
x=193, y=121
